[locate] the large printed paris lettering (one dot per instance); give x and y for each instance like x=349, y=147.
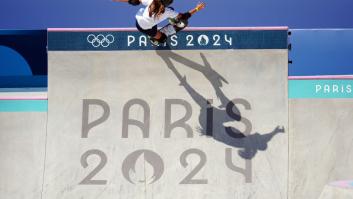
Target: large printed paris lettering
x=203, y=117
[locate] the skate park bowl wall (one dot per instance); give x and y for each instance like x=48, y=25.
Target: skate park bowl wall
x=197, y=118
x=205, y=116
x=338, y=189
x=22, y=145
x=23, y=112
x=320, y=112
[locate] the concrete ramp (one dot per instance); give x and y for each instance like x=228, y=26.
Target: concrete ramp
x=320, y=152
x=338, y=189
x=205, y=117
x=320, y=112
x=22, y=148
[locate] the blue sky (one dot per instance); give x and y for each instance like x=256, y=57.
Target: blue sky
x=32, y=14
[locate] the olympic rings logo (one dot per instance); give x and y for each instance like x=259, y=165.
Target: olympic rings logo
x=100, y=40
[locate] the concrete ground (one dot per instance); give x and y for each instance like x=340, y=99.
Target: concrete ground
x=175, y=124
x=108, y=109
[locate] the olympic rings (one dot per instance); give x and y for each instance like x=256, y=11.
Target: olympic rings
x=100, y=40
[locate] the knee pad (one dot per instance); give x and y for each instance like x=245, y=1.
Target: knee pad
x=182, y=24
x=163, y=38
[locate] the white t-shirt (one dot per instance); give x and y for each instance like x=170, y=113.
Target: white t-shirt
x=146, y=22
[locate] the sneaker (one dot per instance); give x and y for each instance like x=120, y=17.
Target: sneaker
x=154, y=42
x=173, y=21
x=179, y=23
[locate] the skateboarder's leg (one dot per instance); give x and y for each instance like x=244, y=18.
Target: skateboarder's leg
x=153, y=34
x=168, y=30
x=160, y=38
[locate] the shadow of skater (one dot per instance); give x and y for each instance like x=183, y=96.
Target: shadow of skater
x=212, y=119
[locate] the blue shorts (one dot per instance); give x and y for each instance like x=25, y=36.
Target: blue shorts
x=150, y=32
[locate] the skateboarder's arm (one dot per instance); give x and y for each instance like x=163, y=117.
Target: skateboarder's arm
x=132, y=2
x=187, y=15
x=199, y=7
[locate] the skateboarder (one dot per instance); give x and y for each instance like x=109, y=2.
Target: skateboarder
x=157, y=11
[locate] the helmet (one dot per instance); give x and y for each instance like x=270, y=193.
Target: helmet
x=166, y=3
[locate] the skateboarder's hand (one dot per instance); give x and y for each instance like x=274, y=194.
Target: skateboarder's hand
x=200, y=6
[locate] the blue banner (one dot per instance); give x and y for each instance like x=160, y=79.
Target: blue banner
x=320, y=89
x=188, y=40
x=23, y=105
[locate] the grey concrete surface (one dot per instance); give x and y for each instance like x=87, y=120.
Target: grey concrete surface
x=22, y=147
x=86, y=160
x=334, y=192
x=321, y=145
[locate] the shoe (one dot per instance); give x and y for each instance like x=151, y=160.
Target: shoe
x=179, y=23
x=154, y=41
x=173, y=21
